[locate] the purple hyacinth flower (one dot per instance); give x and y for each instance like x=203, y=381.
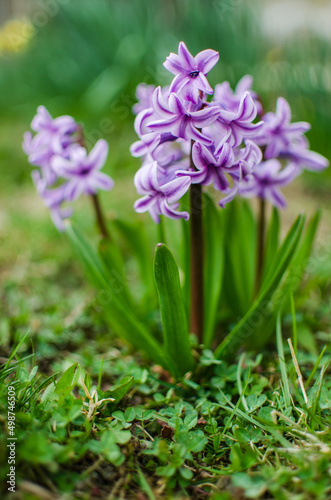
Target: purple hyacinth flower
x=237, y=125
x=182, y=121
x=278, y=133
x=53, y=136
x=39, y=154
x=230, y=100
x=191, y=71
x=148, y=140
x=144, y=94
x=53, y=200
x=304, y=158
x=82, y=170
x=53, y=130
x=159, y=197
x=267, y=179
x=211, y=168
x=246, y=160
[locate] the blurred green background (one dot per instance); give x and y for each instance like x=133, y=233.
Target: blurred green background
x=85, y=58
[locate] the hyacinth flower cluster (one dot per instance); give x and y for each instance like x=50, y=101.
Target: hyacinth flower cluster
x=230, y=150
x=192, y=136
x=65, y=170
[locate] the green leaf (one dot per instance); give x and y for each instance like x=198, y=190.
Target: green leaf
x=214, y=263
x=135, y=236
x=144, y=485
x=272, y=240
x=112, y=258
x=23, y=339
x=68, y=380
x=290, y=283
x=282, y=364
x=186, y=263
x=174, y=320
x=244, y=331
x=120, y=390
x=121, y=318
x=240, y=256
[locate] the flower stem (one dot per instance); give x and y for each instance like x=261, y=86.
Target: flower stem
x=196, y=319
x=260, y=245
x=99, y=216
x=160, y=232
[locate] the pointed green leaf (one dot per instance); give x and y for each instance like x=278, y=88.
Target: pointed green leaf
x=240, y=256
x=290, y=283
x=174, y=320
x=214, y=263
x=135, y=236
x=113, y=260
x=121, y=318
x=243, y=332
x=121, y=389
x=68, y=380
x=272, y=240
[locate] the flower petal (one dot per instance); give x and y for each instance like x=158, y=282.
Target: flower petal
x=206, y=60
x=98, y=155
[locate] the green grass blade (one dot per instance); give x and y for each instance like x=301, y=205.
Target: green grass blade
x=312, y=373
x=294, y=325
x=214, y=264
x=282, y=364
x=16, y=349
x=144, y=485
x=174, y=320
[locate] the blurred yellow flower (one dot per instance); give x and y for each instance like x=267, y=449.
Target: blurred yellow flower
x=15, y=35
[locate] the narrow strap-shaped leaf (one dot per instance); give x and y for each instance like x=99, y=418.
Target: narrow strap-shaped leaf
x=240, y=256
x=112, y=258
x=289, y=284
x=135, y=237
x=283, y=250
x=214, y=263
x=173, y=316
x=243, y=332
x=300, y=260
x=186, y=264
x=272, y=240
x=121, y=318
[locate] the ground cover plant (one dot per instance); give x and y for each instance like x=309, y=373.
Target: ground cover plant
x=197, y=422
